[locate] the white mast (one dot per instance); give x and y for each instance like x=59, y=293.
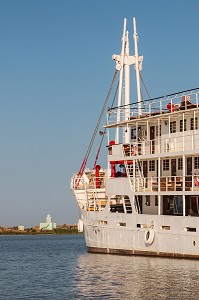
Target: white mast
x=127, y=89
x=135, y=37
x=123, y=62
x=120, y=82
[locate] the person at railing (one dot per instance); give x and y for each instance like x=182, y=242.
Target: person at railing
x=186, y=103
x=122, y=171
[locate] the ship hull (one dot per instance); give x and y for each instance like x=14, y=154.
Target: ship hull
x=171, y=236
x=140, y=253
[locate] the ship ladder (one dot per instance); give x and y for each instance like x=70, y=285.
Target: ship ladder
x=128, y=168
x=127, y=205
x=90, y=195
x=141, y=175
x=137, y=205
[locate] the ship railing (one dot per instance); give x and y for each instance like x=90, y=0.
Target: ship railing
x=95, y=193
x=178, y=142
x=134, y=149
x=179, y=101
x=90, y=182
x=96, y=182
x=76, y=182
x=182, y=141
x=90, y=192
x=166, y=184
x=96, y=204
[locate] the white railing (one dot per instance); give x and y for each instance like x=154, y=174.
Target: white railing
x=166, y=104
x=166, y=184
x=90, y=192
x=189, y=183
x=93, y=182
x=183, y=142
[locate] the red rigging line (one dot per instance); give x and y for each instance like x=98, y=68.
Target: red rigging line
x=80, y=173
x=104, y=131
x=98, y=151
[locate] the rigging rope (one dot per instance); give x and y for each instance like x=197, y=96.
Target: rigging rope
x=145, y=86
x=80, y=173
x=104, y=132
x=146, y=91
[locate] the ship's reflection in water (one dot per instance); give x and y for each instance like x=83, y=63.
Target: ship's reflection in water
x=99, y=276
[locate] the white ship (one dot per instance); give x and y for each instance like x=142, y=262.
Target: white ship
x=146, y=202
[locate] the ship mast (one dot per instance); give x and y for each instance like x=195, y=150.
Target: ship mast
x=123, y=62
x=127, y=90
x=135, y=37
x=119, y=66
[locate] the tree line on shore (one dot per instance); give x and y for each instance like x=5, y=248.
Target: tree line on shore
x=61, y=229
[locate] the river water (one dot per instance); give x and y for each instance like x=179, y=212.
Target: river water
x=58, y=267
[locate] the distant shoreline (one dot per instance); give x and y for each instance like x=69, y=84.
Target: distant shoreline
x=33, y=231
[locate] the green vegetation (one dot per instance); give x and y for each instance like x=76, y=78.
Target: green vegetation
x=65, y=230
x=32, y=231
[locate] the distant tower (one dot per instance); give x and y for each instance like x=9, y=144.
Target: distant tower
x=48, y=225
x=48, y=219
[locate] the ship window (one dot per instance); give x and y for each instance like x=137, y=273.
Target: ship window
x=179, y=163
x=147, y=200
x=192, y=123
x=102, y=222
x=158, y=130
x=152, y=165
x=165, y=227
x=141, y=225
x=122, y=224
x=173, y=127
x=165, y=164
x=133, y=133
x=177, y=205
x=192, y=206
x=192, y=229
x=181, y=125
x=196, y=162
x=156, y=200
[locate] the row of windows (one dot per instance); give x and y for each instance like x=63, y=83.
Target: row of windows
x=166, y=164
x=193, y=125
x=173, y=127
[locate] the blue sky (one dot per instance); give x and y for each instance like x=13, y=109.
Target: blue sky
x=55, y=72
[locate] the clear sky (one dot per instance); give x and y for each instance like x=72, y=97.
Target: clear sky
x=55, y=71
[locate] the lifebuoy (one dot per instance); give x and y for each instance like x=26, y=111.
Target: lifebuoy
x=80, y=225
x=134, y=150
x=149, y=236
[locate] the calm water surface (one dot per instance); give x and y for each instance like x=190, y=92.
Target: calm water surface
x=58, y=267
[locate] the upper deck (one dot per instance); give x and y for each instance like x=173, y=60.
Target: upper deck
x=162, y=107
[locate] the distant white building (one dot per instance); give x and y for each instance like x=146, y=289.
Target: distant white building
x=48, y=225
x=21, y=228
